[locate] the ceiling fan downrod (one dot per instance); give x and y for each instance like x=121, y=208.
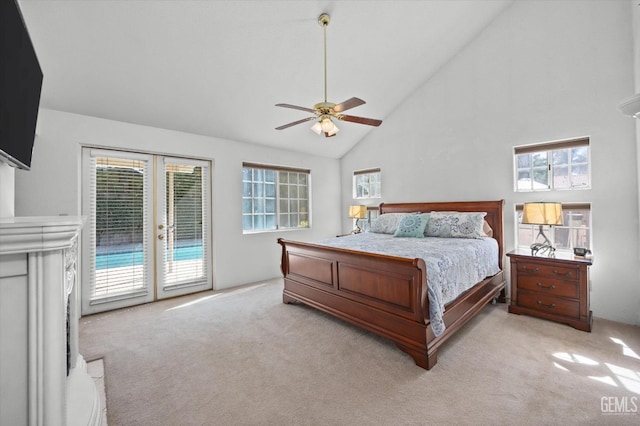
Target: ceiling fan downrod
x=324, y=20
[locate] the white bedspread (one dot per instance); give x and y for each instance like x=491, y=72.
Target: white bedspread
x=454, y=265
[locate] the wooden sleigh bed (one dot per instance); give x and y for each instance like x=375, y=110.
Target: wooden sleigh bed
x=387, y=295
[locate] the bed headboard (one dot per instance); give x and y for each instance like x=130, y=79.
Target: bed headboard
x=493, y=217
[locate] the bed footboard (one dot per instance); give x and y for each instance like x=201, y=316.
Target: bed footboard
x=383, y=294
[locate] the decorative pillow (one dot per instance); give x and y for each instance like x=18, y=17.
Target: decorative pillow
x=456, y=225
x=412, y=225
x=386, y=223
x=486, y=228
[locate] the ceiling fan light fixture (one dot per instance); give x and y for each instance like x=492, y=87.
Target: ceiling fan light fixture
x=317, y=127
x=327, y=124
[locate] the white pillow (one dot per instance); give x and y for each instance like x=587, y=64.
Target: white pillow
x=386, y=223
x=456, y=225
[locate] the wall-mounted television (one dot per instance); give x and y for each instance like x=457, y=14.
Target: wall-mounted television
x=20, y=85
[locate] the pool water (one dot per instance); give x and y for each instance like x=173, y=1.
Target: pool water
x=132, y=258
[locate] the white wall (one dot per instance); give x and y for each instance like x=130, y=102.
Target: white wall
x=635, y=7
x=7, y=183
x=53, y=187
x=542, y=71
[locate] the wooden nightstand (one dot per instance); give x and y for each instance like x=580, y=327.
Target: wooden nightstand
x=554, y=288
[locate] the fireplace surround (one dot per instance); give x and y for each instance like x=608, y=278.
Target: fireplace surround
x=38, y=286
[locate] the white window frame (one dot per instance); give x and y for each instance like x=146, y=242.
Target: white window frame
x=548, y=149
x=569, y=213
x=370, y=180
x=278, y=212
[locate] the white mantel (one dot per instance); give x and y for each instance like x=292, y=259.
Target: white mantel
x=38, y=273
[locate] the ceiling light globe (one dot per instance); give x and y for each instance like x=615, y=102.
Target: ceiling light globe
x=327, y=125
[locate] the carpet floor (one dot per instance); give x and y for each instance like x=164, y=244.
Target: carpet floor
x=242, y=357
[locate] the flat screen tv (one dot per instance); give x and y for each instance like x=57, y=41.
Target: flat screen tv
x=20, y=85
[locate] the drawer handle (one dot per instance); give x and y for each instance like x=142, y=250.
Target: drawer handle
x=566, y=274
x=536, y=269
x=553, y=305
x=549, y=287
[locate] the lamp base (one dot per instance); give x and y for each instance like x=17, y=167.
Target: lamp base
x=542, y=248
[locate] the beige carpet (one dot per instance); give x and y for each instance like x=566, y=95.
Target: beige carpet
x=242, y=357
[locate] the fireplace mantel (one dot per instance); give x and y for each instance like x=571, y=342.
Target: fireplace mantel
x=38, y=274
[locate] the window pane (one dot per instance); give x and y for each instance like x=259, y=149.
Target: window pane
x=524, y=161
x=574, y=232
x=258, y=205
x=270, y=221
x=270, y=176
x=247, y=222
x=293, y=191
x=580, y=176
x=580, y=155
x=270, y=192
x=303, y=192
x=259, y=221
x=258, y=190
x=570, y=169
x=246, y=190
x=560, y=157
x=562, y=238
x=561, y=177
x=247, y=206
x=284, y=191
x=540, y=178
x=270, y=206
x=366, y=185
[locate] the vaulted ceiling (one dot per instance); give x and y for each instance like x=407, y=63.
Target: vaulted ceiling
x=217, y=68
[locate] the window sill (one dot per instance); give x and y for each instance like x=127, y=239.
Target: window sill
x=271, y=231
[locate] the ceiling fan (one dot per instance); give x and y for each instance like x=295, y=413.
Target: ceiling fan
x=325, y=111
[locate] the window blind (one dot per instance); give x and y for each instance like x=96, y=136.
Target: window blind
x=186, y=254
x=549, y=146
x=118, y=226
x=365, y=172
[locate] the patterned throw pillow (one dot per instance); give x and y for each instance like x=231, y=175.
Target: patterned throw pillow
x=456, y=225
x=412, y=225
x=386, y=223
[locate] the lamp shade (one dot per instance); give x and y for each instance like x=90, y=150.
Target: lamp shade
x=542, y=214
x=358, y=212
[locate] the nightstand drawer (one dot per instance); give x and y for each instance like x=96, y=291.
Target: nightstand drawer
x=559, y=272
x=548, y=286
x=552, y=305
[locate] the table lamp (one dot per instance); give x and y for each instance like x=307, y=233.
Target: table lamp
x=357, y=213
x=542, y=214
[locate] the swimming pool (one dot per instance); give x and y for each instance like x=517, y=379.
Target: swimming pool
x=120, y=258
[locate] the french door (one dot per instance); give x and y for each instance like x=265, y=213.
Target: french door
x=148, y=233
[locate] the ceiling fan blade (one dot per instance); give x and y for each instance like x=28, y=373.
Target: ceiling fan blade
x=296, y=107
x=348, y=104
x=360, y=120
x=284, y=126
